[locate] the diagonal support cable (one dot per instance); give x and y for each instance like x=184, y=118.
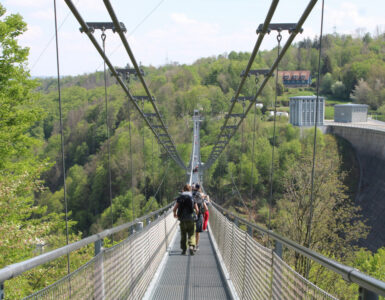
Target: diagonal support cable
x=213, y=156
x=265, y=28
x=171, y=151
x=123, y=38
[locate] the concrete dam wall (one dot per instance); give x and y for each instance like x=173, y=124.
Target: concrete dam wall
x=370, y=149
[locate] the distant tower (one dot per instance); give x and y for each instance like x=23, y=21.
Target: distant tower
x=303, y=108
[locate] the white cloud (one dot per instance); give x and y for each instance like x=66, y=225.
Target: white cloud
x=90, y=5
x=46, y=14
x=185, y=30
x=347, y=16
x=33, y=34
x=184, y=40
x=28, y=3
x=182, y=19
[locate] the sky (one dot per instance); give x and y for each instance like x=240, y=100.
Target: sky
x=164, y=31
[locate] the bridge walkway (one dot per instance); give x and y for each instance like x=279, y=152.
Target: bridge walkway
x=191, y=277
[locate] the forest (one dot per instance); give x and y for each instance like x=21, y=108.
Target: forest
x=31, y=174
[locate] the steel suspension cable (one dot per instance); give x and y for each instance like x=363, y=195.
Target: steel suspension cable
x=253, y=54
x=152, y=160
x=62, y=136
x=240, y=197
x=252, y=155
x=131, y=162
x=159, y=186
x=308, y=235
x=123, y=38
x=279, y=38
x=214, y=155
x=171, y=151
x=241, y=148
x=137, y=26
x=50, y=40
x=144, y=157
x=103, y=37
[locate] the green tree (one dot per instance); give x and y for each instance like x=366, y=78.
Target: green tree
x=326, y=84
x=335, y=223
x=326, y=65
x=24, y=227
x=15, y=90
x=338, y=90
x=361, y=93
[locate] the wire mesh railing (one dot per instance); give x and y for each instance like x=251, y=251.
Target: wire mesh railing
x=123, y=271
x=257, y=272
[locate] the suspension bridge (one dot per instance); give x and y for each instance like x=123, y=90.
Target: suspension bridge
x=231, y=263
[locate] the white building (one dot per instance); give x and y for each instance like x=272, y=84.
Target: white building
x=303, y=108
x=350, y=113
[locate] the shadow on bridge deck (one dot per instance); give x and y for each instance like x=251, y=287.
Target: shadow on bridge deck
x=191, y=277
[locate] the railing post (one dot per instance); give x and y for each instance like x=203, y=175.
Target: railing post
x=1, y=290
x=98, y=247
x=148, y=221
x=235, y=221
x=250, y=230
x=278, y=249
x=98, y=272
x=165, y=232
x=138, y=226
x=364, y=294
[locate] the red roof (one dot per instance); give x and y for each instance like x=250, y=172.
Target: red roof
x=292, y=74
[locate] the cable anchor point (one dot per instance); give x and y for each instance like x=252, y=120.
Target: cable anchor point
x=279, y=36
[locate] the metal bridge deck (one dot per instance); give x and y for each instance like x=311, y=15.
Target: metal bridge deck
x=191, y=277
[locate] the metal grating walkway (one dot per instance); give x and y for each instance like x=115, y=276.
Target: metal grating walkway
x=191, y=277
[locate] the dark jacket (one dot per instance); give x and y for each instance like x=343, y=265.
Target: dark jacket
x=186, y=207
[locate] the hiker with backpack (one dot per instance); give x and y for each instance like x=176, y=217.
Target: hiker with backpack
x=202, y=208
x=184, y=210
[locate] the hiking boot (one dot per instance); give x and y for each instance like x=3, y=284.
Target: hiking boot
x=192, y=252
x=184, y=252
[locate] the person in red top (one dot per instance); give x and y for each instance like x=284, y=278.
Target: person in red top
x=206, y=213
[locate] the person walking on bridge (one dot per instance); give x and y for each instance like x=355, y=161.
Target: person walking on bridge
x=184, y=211
x=202, y=207
x=206, y=199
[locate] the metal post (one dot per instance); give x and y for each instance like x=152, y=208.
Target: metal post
x=245, y=264
x=166, y=232
x=364, y=294
x=99, y=271
x=138, y=226
x=98, y=247
x=1, y=290
x=236, y=222
x=232, y=248
x=278, y=249
x=249, y=230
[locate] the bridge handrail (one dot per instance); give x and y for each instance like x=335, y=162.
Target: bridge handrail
x=348, y=273
x=16, y=269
